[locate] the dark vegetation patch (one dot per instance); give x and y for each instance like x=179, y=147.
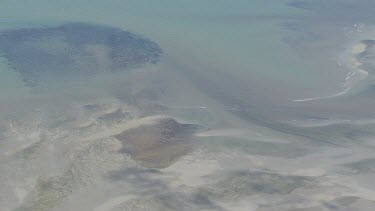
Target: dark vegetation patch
x=74, y=49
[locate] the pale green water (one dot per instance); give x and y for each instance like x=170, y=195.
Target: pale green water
x=236, y=69
x=241, y=38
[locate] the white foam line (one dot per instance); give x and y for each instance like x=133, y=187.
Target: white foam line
x=318, y=123
x=184, y=107
x=189, y=107
x=324, y=97
x=351, y=75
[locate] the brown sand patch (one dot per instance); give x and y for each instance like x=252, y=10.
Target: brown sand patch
x=157, y=145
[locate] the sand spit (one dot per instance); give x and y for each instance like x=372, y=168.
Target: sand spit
x=349, y=60
x=356, y=51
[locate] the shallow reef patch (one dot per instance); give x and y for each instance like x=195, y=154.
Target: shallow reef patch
x=74, y=50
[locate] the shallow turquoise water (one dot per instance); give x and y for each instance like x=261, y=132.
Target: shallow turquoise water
x=274, y=87
x=243, y=39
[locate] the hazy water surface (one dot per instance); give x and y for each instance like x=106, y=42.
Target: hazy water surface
x=187, y=105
